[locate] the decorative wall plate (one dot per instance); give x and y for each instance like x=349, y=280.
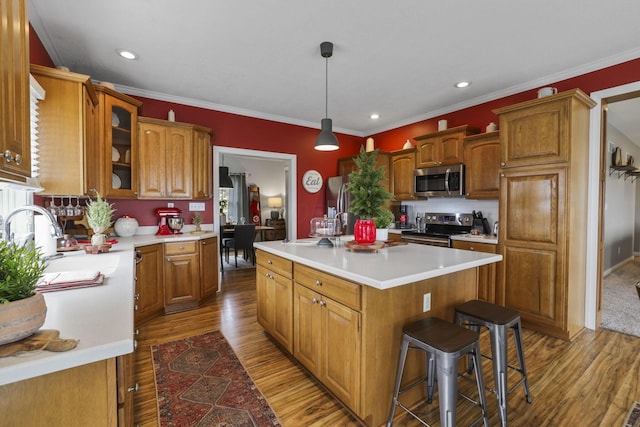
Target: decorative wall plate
x=312, y=181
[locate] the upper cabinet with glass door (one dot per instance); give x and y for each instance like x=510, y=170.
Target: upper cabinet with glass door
x=118, y=117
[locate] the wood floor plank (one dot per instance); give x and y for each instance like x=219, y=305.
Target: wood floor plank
x=593, y=379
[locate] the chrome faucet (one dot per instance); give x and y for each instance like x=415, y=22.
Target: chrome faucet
x=56, y=231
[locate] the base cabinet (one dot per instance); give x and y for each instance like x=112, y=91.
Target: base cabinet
x=149, y=278
x=327, y=336
x=486, y=273
x=208, y=267
x=274, y=288
x=181, y=276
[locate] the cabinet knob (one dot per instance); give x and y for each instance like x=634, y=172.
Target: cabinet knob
x=269, y=262
x=314, y=300
x=318, y=283
x=135, y=344
x=322, y=303
x=204, y=243
x=135, y=307
x=136, y=296
x=471, y=248
x=503, y=164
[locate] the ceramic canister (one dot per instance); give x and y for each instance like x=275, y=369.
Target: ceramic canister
x=126, y=226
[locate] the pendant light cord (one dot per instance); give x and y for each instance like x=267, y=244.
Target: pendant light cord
x=326, y=86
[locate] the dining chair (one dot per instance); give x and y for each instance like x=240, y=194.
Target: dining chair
x=226, y=234
x=244, y=235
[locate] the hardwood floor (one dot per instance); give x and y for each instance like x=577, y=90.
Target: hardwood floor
x=592, y=381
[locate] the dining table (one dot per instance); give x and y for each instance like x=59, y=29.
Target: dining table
x=228, y=230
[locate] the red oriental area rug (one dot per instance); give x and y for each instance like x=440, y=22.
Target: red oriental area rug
x=201, y=382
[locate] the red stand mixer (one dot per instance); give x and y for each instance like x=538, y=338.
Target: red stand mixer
x=170, y=221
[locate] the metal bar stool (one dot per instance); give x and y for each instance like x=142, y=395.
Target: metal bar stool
x=498, y=320
x=444, y=343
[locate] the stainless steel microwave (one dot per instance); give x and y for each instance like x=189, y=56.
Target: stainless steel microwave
x=439, y=181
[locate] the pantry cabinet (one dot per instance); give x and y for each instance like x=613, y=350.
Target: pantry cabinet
x=167, y=161
x=543, y=200
x=274, y=288
x=70, y=160
x=181, y=276
x=327, y=335
x=482, y=165
x=442, y=148
x=117, y=146
x=402, y=177
x=15, y=139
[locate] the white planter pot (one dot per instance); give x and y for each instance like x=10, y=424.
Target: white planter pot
x=382, y=234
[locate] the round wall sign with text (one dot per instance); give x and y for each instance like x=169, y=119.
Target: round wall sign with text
x=312, y=181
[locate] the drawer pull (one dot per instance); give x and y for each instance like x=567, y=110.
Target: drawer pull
x=471, y=248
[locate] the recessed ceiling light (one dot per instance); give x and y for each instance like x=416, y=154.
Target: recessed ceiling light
x=375, y=116
x=460, y=85
x=127, y=54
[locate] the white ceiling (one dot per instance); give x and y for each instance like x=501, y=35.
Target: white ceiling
x=261, y=58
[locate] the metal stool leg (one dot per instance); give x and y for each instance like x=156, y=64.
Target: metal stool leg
x=517, y=334
x=431, y=376
x=447, y=372
x=499, y=350
x=404, y=347
x=476, y=359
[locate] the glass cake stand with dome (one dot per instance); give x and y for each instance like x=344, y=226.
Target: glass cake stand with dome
x=325, y=228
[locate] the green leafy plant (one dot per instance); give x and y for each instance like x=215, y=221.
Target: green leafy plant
x=99, y=214
x=369, y=195
x=197, y=219
x=20, y=269
x=223, y=204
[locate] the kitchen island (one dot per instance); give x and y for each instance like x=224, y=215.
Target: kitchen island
x=78, y=387
x=341, y=313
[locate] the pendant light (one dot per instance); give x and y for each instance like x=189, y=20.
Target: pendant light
x=224, y=178
x=326, y=141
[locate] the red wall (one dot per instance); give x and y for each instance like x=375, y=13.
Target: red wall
x=231, y=130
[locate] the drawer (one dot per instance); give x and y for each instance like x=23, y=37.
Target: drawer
x=333, y=287
x=474, y=246
x=282, y=266
x=180, y=248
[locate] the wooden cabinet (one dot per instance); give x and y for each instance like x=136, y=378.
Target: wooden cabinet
x=543, y=200
x=117, y=144
x=167, y=161
x=70, y=158
x=14, y=104
x=149, y=278
x=181, y=276
x=274, y=287
x=202, y=164
x=326, y=324
x=126, y=386
x=279, y=232
x=486, y=273
x=442, y=148
x=208, y=267
x=346, y=165
x=403, y=163
x=482, y=165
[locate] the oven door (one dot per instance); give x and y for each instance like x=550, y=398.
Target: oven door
x=426, y=240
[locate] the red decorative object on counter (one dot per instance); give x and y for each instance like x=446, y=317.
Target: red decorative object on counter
x=364, y=231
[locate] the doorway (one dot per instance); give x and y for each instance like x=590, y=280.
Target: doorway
x=290, y=211
x=598, y=171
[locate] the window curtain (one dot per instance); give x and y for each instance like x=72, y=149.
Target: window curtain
x=238, y=197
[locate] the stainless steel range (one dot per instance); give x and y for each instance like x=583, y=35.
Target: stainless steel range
x=438, y=227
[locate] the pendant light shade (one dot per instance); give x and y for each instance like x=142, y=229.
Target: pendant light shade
x=326, y=141
x=225, y=179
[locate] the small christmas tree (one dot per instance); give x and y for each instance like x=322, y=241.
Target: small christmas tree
x=369, y=195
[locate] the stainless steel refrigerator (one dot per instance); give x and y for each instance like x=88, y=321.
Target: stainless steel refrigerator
x=338, y=202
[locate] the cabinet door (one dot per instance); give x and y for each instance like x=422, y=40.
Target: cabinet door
x=341, y=351
x=402, y=177
x=346, y=165
x=428, y=152
x=125, y=374
x=181, y=282
x=209, y=266
x=202, y=165
x=532, y=276
x=482, y=161
x=536, y=135
x=451, y=148
x=149, y=279
x=151, y=148
x=14, y=103
x=306, y=328
x=264, y=298
x=178, y=162
x=120, y=145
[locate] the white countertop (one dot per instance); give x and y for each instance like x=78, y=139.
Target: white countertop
x=388, y=268
x=480, y=238
x=100, y=317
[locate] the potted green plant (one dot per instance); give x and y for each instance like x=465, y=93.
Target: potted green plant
x=22, y=310
x=197, y=220
x=99, y=214
x=369, y=196
x=223, y=205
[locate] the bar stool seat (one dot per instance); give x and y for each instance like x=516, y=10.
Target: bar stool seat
x=498, y=320
x=444, y=343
